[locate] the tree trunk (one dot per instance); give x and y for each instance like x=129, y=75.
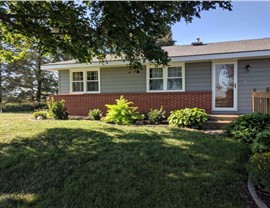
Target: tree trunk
x=39, y=79
x=1, y=107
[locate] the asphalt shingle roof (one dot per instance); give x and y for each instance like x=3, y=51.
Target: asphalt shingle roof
x=205, y=49
x=219, y=47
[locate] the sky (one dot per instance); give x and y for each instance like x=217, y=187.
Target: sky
x=248, y=20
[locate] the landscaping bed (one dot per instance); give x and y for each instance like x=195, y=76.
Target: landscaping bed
x=254, y=130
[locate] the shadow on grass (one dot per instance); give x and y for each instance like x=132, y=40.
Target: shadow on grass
x=65, y=167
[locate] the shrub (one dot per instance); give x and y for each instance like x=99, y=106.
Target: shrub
x=261, y=142
x=57, y=110
x=189, y=117
x=259, y=169
x=156, y=116
x=18, y=107
x=42, y=113
x=122, y=112
x=95, y=114
x=21, y=107
x=245, y=128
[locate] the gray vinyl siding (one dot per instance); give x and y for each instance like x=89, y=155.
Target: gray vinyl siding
x=122, y=80
x=258, y=77
x=63, y=81
x=198, y=76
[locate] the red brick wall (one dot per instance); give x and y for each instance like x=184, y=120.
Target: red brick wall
x=80, y=104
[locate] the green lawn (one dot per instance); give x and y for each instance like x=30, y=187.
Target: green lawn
x=92, y=164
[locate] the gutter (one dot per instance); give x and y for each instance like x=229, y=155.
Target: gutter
x=208, y=57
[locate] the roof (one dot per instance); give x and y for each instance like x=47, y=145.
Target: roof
x=219, y=47
x=205, y=49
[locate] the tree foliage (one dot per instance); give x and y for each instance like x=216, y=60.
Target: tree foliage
x=167, y=40
x=23, y=79
x=129, y=30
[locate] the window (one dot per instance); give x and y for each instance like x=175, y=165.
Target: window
x=86, y=81
x=77, y=82
x=156, y=79
x=166, y=79
x=174, y=80
x=92, y=81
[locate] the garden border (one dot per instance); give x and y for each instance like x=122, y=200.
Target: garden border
x=252, y=191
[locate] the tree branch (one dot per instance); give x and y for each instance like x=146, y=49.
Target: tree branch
x=22, y=16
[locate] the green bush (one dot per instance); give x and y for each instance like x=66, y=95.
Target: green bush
x=57, y=110
x=259, y=169
x=156, y=116
x=189, y=117
x=21, y=107
x=95, y=114
x=42, y=113
x=246, y=127
x=261, y=142
x=122, y=112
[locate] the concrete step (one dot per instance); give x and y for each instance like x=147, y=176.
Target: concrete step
x=222, y=117
x=211, y=124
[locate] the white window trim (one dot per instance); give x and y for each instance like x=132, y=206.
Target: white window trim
x=78, y=81
x=235, y=102
x=165, y=77
x=85, y=70
x=157, y=78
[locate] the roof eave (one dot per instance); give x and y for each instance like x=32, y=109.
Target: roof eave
x=235, y=55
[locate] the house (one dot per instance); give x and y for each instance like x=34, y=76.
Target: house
x=218, y=77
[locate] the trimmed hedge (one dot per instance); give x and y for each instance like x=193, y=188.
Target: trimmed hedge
x=21, y=107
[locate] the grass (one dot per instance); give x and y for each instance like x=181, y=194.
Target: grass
x=91, y=164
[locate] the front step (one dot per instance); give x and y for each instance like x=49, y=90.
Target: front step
x=218, y=121
x=219, y=117
x=217, y=125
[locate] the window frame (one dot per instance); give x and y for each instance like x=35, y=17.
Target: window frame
x=77, y=81
x=85, y=81
x=165, y=77
x=157, y=78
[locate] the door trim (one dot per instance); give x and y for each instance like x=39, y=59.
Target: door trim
x=235, y=94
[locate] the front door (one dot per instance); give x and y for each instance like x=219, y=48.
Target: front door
x=224, y=86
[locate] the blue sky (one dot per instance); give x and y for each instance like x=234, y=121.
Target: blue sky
x=248, y=20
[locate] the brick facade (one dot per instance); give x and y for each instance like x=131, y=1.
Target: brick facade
x=80, y=104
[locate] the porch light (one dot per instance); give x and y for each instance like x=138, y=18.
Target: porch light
x=248, y=67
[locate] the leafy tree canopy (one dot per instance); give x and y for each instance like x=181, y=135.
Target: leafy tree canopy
x=167, y=40
x=13, y=46
x=24, y=80
x=85, y=30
